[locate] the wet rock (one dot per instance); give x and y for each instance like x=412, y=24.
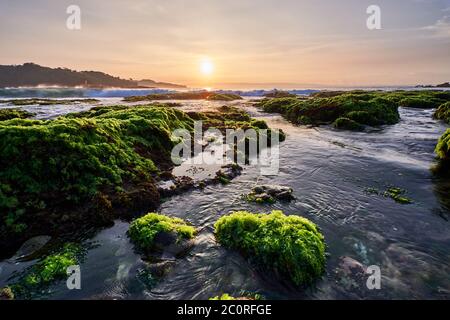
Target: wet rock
x=31, y=246
x=160, y=269
x=227, y=173
x=170, y=246
x=350, y=273
x=6, y=294
x=270, y=194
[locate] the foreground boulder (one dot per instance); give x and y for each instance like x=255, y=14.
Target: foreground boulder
x=81, y=171
x=161, y=236
x=291, y=246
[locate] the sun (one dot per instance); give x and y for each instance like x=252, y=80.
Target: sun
x=207, y=67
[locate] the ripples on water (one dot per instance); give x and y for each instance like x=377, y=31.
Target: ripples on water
x=329, y=171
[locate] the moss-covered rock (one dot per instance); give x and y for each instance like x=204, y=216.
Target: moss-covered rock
x=443, y=147
x=269, y=194
x=372, y=108
x=47, y=102
x=160, y=233
x=8, y=114
x=443, y=112
x=347, y=124
x=279, y=94
x=84, y=170
x=190, y=95
x=70, y=174
x=289, y=245
x=224, y=97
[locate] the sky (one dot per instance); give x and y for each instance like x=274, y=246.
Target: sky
x=236, y=43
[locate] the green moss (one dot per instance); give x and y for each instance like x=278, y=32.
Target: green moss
x=224, y=296
x=68, y=163
x=364, y=107
x=280, y=94
x=443, y=112
x=291, y=245
x=190, y=95
x=419, y=103
x=251, y=197
x=143, y=231
x=397, y=195
x=86, y=169
x=8, y=114
x=48, y=270
x=47, y=102
x=443, y=147
x=347, y=124
x=224, y=97
x=244, y=296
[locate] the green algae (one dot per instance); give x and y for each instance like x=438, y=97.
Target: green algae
x=347, y=124
x=143, y=231
x=443, y=147
x=395, y=193
x=290, y=245
x=84, y=170
x=443, y=112
x=372, y=108
x=224, y=296
x=93, y=164
x=190, y=95
x=47, y=102
x=14, y=113
x=47, y=271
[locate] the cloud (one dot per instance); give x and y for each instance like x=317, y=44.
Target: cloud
x=441, y=28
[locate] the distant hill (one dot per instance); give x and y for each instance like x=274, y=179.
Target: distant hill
x=163, y=85
x=442, y=85
x=32, y=75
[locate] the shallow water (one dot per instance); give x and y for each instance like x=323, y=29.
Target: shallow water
x=329, y=171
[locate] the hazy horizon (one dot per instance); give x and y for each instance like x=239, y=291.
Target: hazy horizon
x=217, y=44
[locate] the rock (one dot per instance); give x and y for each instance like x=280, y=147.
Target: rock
x=270, y=193
x=170, y=246
x=6, y=294
x=350, y=274
x=31, y=246
x=350, y=266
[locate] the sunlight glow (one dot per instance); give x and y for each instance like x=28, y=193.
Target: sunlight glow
x=206, y=67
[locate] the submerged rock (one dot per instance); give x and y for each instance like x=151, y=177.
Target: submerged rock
x=350, y=273
x=31, y=246
x=270, y=193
